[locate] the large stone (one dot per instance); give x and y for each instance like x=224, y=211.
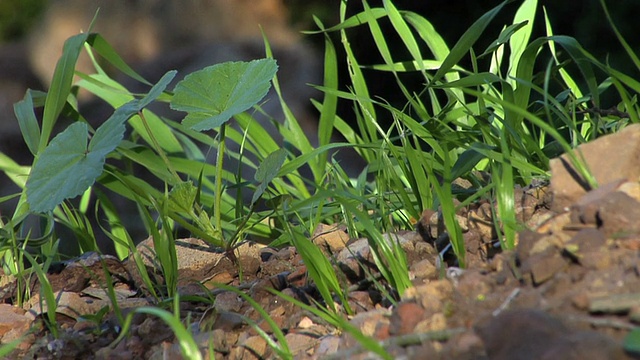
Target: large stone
x=609, y=158
x=541, y=336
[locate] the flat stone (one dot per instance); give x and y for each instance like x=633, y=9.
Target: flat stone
x=620, y=215
x=588, y=240
x=424, y=269
x=328, y=345
x=609, y=158
x=255, y=348
x=431, y=296
x=330, y=238
x=68, y=303
x=228, y=301
x=13, y=323
x=197, y=259
x=300, y=343
x=369, y=324
x=543, y=266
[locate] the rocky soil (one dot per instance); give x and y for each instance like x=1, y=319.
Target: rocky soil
x=570, y=290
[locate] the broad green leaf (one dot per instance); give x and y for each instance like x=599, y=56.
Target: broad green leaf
x=158, y=88
x=213, y=95
x=69, y=165
x=116, y=95
x=109, y=134
x=267, y=171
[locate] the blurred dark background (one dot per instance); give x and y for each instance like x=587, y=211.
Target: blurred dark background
x=586, y=22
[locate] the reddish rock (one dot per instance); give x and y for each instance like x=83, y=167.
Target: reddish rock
x=405, y=317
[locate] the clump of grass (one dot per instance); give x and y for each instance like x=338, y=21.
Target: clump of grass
x=522, y=102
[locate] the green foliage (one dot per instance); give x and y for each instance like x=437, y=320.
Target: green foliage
x=631, y=342
x=213, y=95
x=69, y=153
x=522, y=102
x=16, y=16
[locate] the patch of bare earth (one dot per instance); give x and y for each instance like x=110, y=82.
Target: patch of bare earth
x=570, y=290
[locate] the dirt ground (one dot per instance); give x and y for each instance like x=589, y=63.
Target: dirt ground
x=570, y=289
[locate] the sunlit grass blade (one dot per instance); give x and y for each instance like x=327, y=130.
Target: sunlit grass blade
x=466, y=41
x=320, y=270
x=519, y=40
x=448, y=208
x=381, y=43
x=330, y=101
x=292, y=131
x=46, y=292
x=622, y=40
x=360, y=89
x=389, y=257
x=575, y=158
x=502, y=174
x=60, y=86
x=339, y=322
x=102, y=47
x=404, y=32
x=117, y=232
x=353, y=21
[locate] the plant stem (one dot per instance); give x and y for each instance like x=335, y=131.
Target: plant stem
x=158, y=149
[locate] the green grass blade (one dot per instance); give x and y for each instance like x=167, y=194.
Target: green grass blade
x=337, y=321
x=320, y=270
x=188, y=346
x=102, y=47
x=519, y=40
x=353, y=21
x=404, y=32
x=46, y=291
x=60, y=86
x=624, y=42
x=28, y=122
x=330, y=101
x=467, y=40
